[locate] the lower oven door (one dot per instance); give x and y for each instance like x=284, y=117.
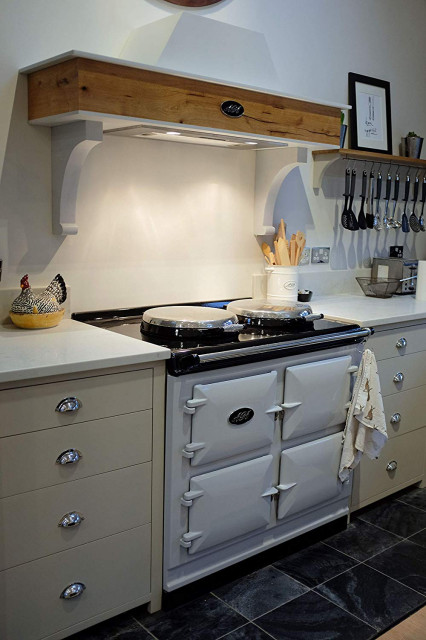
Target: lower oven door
x=309, y=476
x=228, y=503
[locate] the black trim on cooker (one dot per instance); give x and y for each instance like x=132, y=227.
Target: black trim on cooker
x=182, y=362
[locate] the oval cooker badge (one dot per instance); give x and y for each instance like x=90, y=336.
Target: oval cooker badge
x=232, y=108
x=241, y=416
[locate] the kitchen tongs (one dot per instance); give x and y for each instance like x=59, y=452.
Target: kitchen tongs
x=422, y=200
x=370, y=201
x=362, y=222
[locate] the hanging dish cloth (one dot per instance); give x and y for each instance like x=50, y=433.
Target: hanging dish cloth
x=365, y=429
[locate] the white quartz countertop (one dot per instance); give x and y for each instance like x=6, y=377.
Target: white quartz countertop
x=68, y=348
x=367, y=311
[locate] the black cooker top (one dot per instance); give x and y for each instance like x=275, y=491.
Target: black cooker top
x=251, y=343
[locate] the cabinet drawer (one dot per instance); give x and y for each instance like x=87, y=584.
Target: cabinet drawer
x=384, y=343
x=115, y=570
x=28, y=461
x=372, y=478
x=110, y=503
x=31, y=408
x=412, y=367
x=405, y=411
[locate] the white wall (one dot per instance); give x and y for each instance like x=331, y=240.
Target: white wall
x=162, y=222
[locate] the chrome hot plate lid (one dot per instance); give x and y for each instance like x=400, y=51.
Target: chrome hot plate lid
x=266, y=310
x=189, y=317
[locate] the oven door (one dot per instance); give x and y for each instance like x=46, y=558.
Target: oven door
x=316, y=396
x=225, y=504
x=231, y=417
x=309, y=476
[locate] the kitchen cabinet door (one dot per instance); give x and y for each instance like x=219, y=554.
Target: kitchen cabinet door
x=232, y=417
x=228, y=503
x=316, y=396
x=309, y=476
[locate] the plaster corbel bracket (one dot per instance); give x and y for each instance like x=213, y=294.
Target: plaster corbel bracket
x=71, y=144
x=272, y=168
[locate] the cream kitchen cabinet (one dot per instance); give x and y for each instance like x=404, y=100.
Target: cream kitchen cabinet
x=401, y=360
x=81, y=485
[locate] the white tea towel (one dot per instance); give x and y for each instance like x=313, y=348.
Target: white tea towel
x=365, y=430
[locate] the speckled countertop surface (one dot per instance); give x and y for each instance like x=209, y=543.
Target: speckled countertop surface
x=68, y=348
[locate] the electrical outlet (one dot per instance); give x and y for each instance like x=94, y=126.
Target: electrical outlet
x=305, y=258
x=320, y=255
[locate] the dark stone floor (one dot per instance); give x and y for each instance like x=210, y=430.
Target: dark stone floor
x=351, y=586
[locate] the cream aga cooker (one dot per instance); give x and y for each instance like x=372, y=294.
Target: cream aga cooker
x=256, y=402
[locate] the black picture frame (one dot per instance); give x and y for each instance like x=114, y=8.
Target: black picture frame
x=370, y=116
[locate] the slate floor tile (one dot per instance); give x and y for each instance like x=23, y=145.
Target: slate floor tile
x=419, y=538
x=311, y=617
x=315, y=565
x=371, y=596
x=122, y=627
x=405, y=562
x=260, y=592
x=397, y=517
x=248, y=632
x=415, y=498
x=361, y=540
x=206, y=618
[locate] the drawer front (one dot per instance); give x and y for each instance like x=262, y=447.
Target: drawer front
x=28, y=461
x=412, y=368
x=115, y=570
x=405, y=411
x=109, y=503
x=372, y=477
x=32, y=408
x=398, y=342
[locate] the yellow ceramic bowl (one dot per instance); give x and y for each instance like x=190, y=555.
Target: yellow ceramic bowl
x=37, y=320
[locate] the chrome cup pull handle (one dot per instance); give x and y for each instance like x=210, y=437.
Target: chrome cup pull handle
x=402, y=342
x=69, y=404
x=395, y=418
x=73, y=591
x=398, y=377
x=71, y=519
x=392, y=465
x=70, y=456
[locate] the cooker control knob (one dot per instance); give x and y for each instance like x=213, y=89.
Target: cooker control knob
x=398, y=377
x=392, y=465
x=402, y=342
x=395, y=418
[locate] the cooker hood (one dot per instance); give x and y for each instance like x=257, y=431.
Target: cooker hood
x=83, y=95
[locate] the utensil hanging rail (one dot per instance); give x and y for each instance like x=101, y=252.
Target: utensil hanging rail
x=323, y=157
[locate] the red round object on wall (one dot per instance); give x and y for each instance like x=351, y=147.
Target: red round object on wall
x=194, y=3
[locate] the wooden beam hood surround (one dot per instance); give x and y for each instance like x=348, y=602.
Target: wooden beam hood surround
x=126, y=98
x=103, y=87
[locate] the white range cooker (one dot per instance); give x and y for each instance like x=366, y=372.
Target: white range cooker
x=257, y=396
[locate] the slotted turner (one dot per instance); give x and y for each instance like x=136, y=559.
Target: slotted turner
x=413, y=220
x=345, y=212
x=404, y=221
x=352, y=221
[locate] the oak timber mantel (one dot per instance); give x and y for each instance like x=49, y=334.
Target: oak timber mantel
x=110, y=94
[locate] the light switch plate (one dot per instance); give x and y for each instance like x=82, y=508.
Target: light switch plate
x=320, y=255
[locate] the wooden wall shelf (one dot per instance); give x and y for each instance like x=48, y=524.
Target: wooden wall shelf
x=323, y=157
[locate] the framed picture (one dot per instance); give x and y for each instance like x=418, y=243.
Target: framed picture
x=370, y=116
